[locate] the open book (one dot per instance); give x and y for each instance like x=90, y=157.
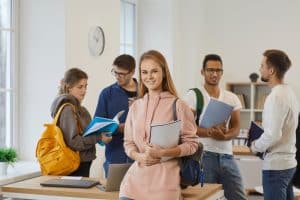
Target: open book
x=165, y=135
x=216, y=112
x=101, y=125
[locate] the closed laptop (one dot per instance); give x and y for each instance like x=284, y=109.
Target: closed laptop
x=70, y=183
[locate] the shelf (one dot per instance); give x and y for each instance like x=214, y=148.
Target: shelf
x=252, y=97
x=245, y=110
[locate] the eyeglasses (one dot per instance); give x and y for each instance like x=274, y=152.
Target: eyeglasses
x=119, y=74
x=212, y=70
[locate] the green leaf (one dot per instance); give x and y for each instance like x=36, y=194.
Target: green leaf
x=8, y=155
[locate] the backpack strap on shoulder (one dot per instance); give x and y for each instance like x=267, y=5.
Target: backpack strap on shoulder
x=60, y=110
x=199, y=103
x=174, y=109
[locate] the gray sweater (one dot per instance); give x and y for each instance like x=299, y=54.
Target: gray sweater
x=69, y=126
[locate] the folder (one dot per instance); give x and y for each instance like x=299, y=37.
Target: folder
x=216, y=112
x=255, y=131
x=101, y=125
x=165, y=135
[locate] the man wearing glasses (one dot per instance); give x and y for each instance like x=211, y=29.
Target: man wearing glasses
x=115, y=98
x=219, y=165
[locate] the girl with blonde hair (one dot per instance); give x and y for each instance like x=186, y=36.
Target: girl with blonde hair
x=149, y=177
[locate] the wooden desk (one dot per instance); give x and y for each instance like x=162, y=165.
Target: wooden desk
x=31, y=189
x=242, y=150
x=20, y=171
x=207, y=192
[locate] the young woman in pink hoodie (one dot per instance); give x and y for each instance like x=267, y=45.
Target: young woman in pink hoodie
x=149, y=177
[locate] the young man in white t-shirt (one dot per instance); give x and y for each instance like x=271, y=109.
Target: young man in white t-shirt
x=219, y=164
x=279, y=120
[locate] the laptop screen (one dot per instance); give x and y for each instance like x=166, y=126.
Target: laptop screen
x=116, y=172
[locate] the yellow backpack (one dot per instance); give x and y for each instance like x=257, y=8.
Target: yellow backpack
x=54, y=156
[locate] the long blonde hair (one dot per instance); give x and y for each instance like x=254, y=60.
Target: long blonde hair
x=167, y=82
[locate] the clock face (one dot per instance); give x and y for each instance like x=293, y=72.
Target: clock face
x=96, y=41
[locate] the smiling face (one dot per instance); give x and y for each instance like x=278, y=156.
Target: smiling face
x=212, y=72
x=78, y=90
x=151, y=75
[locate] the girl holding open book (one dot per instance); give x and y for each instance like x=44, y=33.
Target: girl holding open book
x=74, y=119
x=149, y=177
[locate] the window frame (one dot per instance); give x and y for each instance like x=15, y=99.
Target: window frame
x=11, y=139
x=124, y=44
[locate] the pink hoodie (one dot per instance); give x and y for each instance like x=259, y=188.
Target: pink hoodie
x=160, y=181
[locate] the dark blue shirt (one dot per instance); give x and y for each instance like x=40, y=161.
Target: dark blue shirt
x=112, y=100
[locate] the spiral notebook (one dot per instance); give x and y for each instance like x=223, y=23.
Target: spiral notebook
x=165, y=135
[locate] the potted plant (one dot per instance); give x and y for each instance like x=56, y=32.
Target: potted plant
x=7, y=156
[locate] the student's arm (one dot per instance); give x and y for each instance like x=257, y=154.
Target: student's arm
x=156, y=151
x=69, y=127
x=101, y=109
x=121, y=128
x=234, y=125
x=204, y=132
x=272, y=123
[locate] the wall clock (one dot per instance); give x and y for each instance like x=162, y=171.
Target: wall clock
x=96, y=41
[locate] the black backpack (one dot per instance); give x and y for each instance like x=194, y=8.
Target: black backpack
x=191, y=167
x=296, y=178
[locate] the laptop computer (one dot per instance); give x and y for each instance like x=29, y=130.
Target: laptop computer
x=115, y=175
x=69, y=183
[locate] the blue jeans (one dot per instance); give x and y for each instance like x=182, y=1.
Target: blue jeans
x=222, y=169
x=277, y=184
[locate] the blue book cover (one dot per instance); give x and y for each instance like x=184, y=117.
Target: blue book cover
x=103, y=125
x=216, y=112
x=255, y=131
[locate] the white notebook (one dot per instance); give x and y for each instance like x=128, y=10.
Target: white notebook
x=165, y=135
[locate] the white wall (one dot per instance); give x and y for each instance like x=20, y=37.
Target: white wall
x=80, y=16
x=155, y=27
x=41, y=63
x=53, y=38
x=238, y=30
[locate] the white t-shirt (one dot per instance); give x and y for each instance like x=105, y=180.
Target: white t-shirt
x=279, y=120
x=210, y=144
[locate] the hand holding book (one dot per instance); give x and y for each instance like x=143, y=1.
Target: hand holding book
x=254, y=133
x=165, y=135
x=218, y=131
x=103, y=125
